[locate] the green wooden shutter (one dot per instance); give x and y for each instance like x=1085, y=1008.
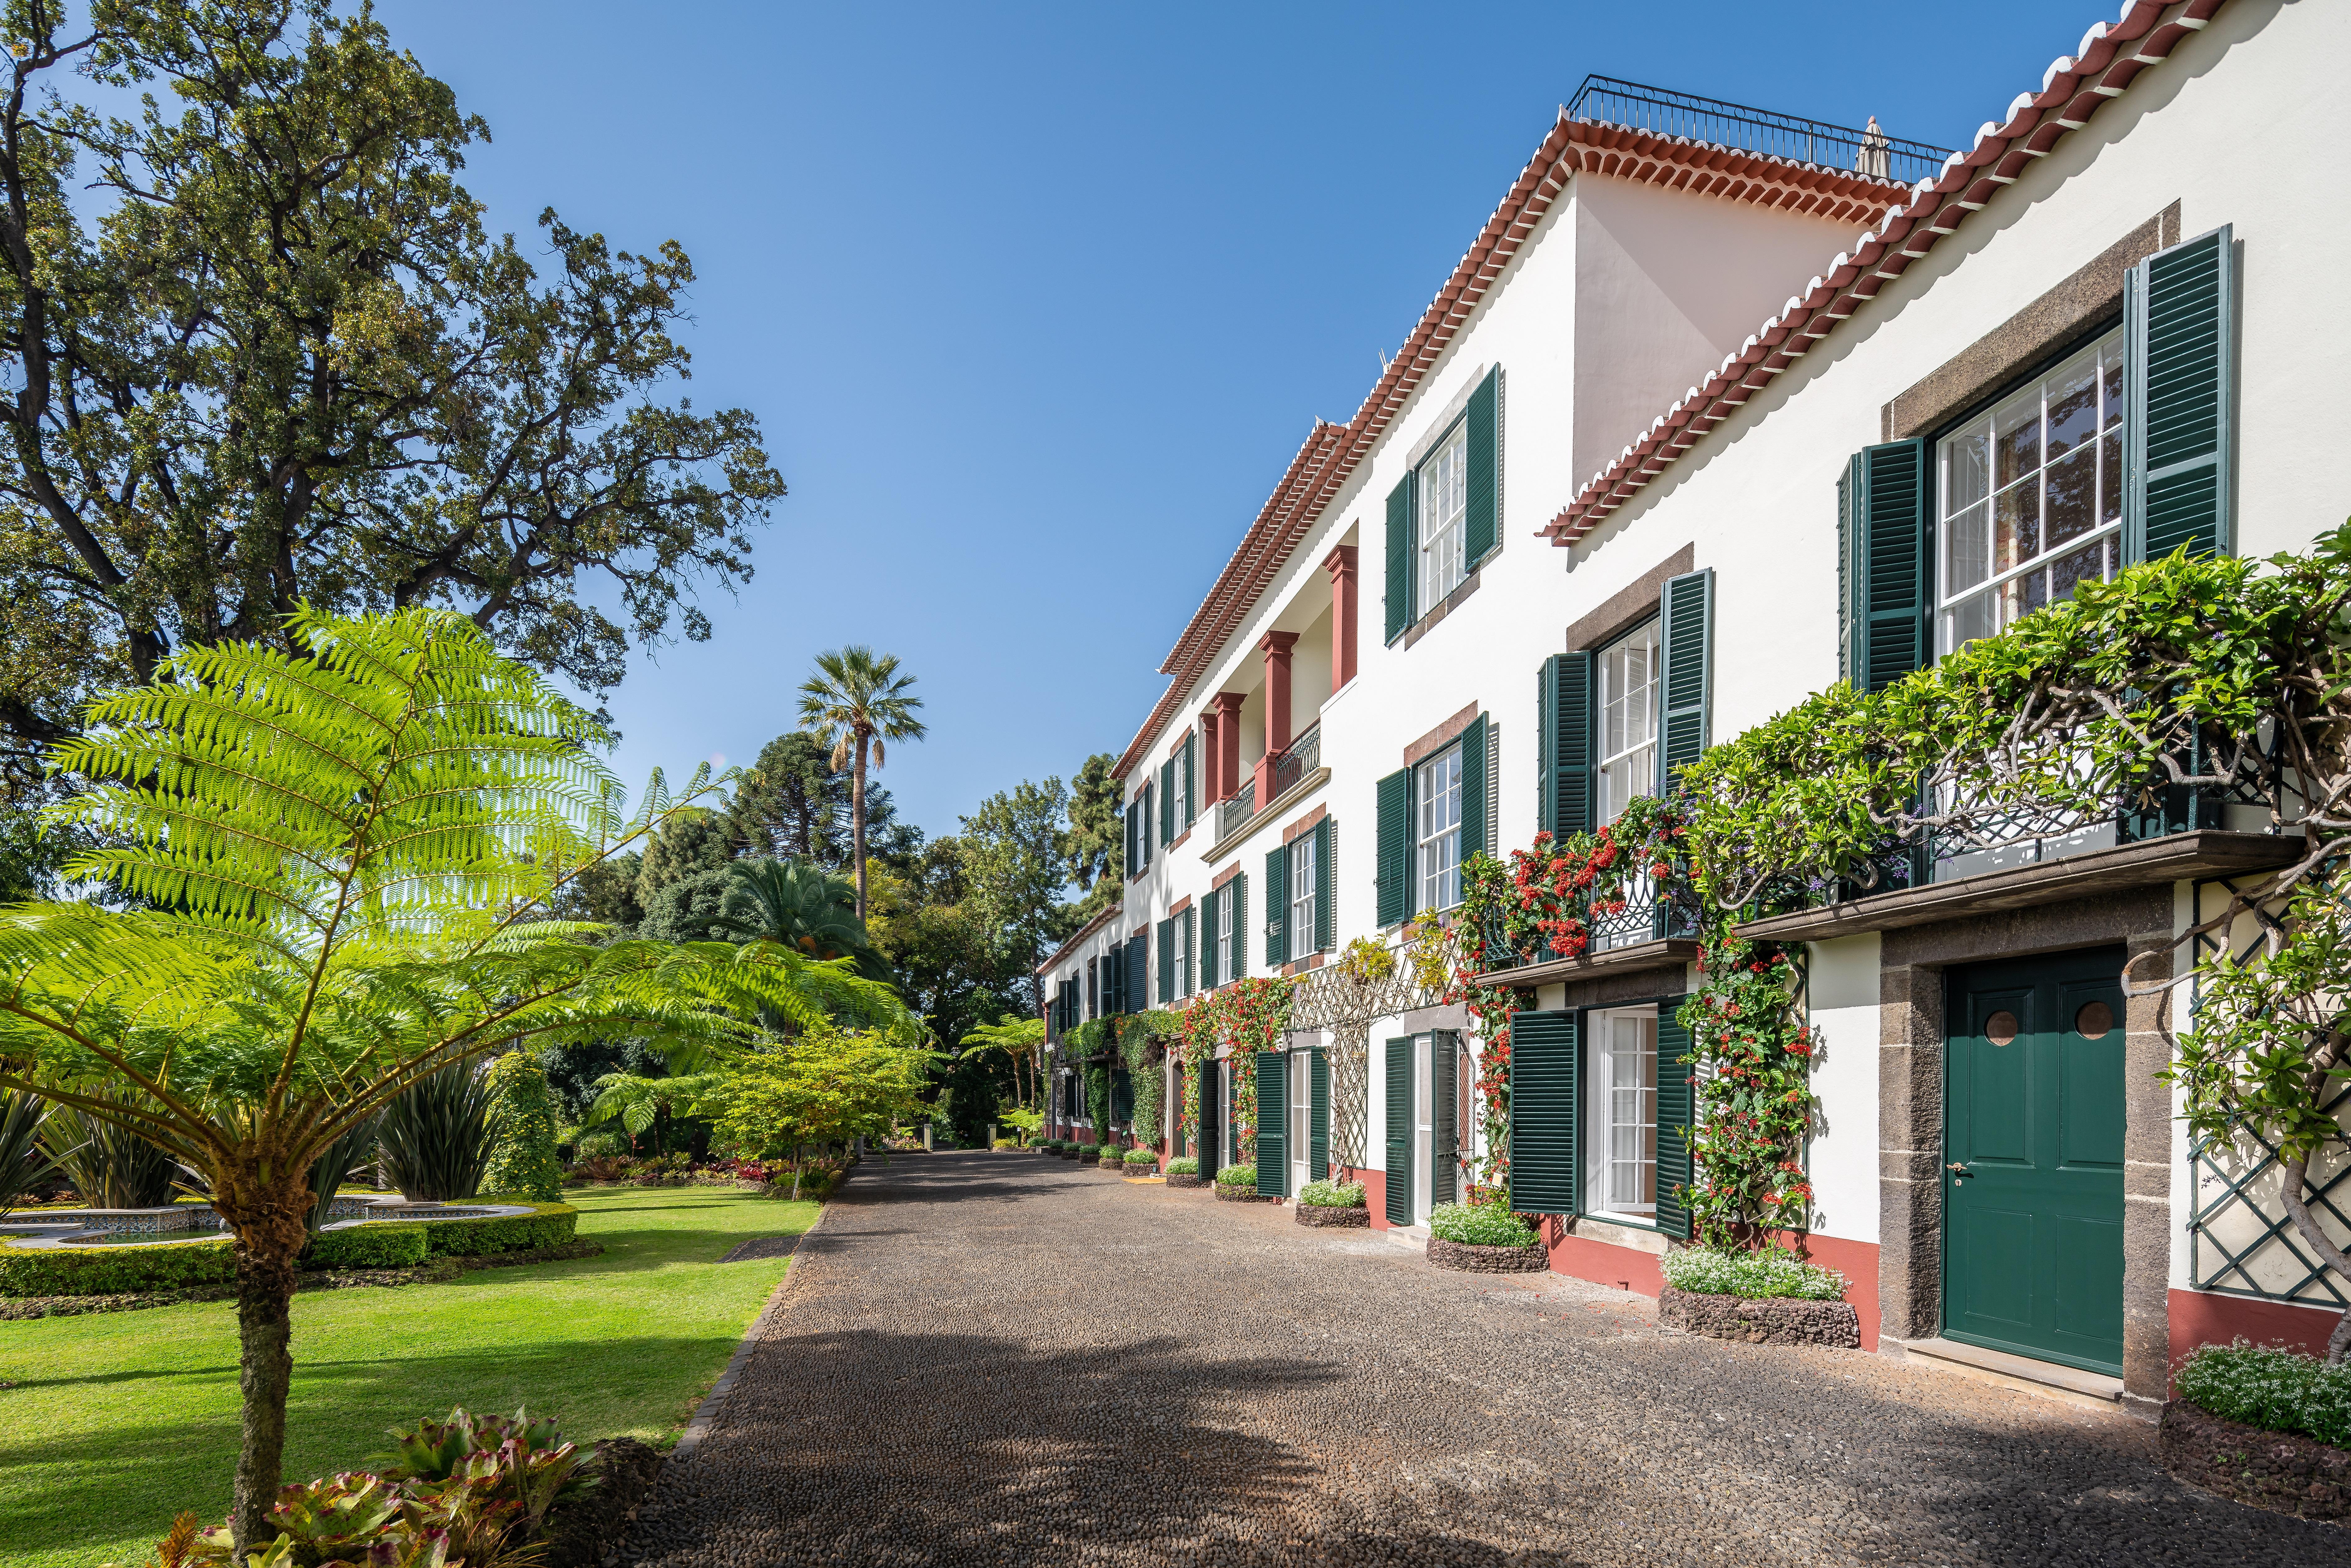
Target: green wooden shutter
x=1204, y=1120
x=1685, y=660
x=1676, y=1110
x=1326, y=916
x=1238, y=891
x=1272, y=1123
x=1398, y=1179
x=1484, y=499
x=1167, y=801
x=1564, y=768
x=1473, y=788
x=1886, y=578
x=1277, y=908
x=1443, y=1057
x=1192, y=777
x=1844, y=545
x=1122, y=1095
x=1192, y=947
x=1206, y=961
x=2180, y=309
x=1318, y=1124
x=1395, y=869
x=1399, y=581
x=1167, y=962
x=1546, y=1114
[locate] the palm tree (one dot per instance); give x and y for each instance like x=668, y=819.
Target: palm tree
x=801, y=905
x=856, y=700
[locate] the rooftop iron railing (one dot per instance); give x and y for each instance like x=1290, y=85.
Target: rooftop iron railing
x=1762, y=132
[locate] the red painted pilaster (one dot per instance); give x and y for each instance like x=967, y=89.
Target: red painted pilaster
x=1342, y=568
x=1210, y=744
x=1228, y=746
x=1275, y=646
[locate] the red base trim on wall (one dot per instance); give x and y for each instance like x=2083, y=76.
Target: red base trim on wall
x=1375, y=1194
x=1605, y=1262
x=2203, y=1317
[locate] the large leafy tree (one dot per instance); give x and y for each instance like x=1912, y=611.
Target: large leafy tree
x=793, y=804
x=1015, y=865
x=345, y=856
x=277, y=360
x=856, y=703
x=1096, y=840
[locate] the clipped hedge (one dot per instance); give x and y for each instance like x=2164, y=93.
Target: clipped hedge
x=548, y=1224
x=377, y=1244
x=113, y=1271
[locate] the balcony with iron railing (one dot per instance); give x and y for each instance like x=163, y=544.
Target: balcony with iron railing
x=1288, y=768
x=1764, y=132
x=1632, y=930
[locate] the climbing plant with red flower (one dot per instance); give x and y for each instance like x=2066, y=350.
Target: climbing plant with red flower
x=1249, y=1015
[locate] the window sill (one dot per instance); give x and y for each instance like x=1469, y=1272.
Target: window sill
x=1468, y=586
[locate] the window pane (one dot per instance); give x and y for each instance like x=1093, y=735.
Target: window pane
x=1967, y=548
x=2072, y=407
x=2016, y=437
x=2110, y=479
x=2088, y=563
x=2073, y=496
x=2015, y=526
x=1966, y=479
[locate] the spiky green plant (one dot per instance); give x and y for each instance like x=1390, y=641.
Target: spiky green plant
x=436, y=1140
x=346, y=856
x=857, y=702
x=110, y=1165
x=24, y=1162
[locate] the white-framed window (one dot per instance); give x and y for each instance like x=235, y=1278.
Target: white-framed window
x=1621, y=1176
x=1628, y=720
x=1438, y=791
x=1179, y=796
x=1224, y=902
x=1305, y=884
x=1443, y=512
x=1423, y=1124
x=1182, y=944
x=2030, y=496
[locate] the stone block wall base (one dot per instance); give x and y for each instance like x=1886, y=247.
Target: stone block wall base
x=2282, y=1471
x=1187, y=1181
x=1241, y=1195
x=1320, y=1214
x=1777, y=1321
x=1486, y=1260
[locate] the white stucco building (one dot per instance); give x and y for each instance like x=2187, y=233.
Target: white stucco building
x=1600, y=508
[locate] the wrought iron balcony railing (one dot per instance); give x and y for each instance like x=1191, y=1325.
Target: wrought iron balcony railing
x=1762, y=132
x=1305, y=756
x=1644, y=917
x=1232, y=813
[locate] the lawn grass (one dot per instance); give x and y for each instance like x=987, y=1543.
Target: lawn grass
x=118, y=1421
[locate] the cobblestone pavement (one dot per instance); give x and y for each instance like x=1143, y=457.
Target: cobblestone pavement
x=992, y=1358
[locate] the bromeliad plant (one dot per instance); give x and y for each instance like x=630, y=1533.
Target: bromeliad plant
x=346, y=858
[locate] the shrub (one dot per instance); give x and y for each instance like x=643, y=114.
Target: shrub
x=1142, y=1158
x=1480, y=1225
x=524, y=1160
x=1758, y=1276
x=2277, y=1390
x=1332, y=1195
x=548, y=1225
x=113, y=1271
x=1237, y=1176
x=379, y=1244
x=1006, y=1143
x=110, y=1166
x=1187, y=1166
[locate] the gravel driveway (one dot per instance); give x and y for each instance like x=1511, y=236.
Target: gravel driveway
x=991, y=1358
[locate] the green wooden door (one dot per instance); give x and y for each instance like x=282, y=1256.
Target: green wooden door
x=2032, y=1151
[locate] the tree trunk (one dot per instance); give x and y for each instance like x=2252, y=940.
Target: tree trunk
x=271, y=1223
x=857, y=822
x=2297, y=1175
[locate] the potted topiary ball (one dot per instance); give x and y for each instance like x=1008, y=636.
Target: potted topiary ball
x=1237, y=1184
x=1185, y=1171
x=1142, y=1162
x=1332, y=1203
x=1484, y=1239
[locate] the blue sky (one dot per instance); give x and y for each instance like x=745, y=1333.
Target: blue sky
x=1035, y=303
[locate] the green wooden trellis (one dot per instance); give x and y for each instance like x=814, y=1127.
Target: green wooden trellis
x=2213, y=1264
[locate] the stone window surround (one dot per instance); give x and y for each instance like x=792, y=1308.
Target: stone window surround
x=1911, y=1040
x=1437, y=739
